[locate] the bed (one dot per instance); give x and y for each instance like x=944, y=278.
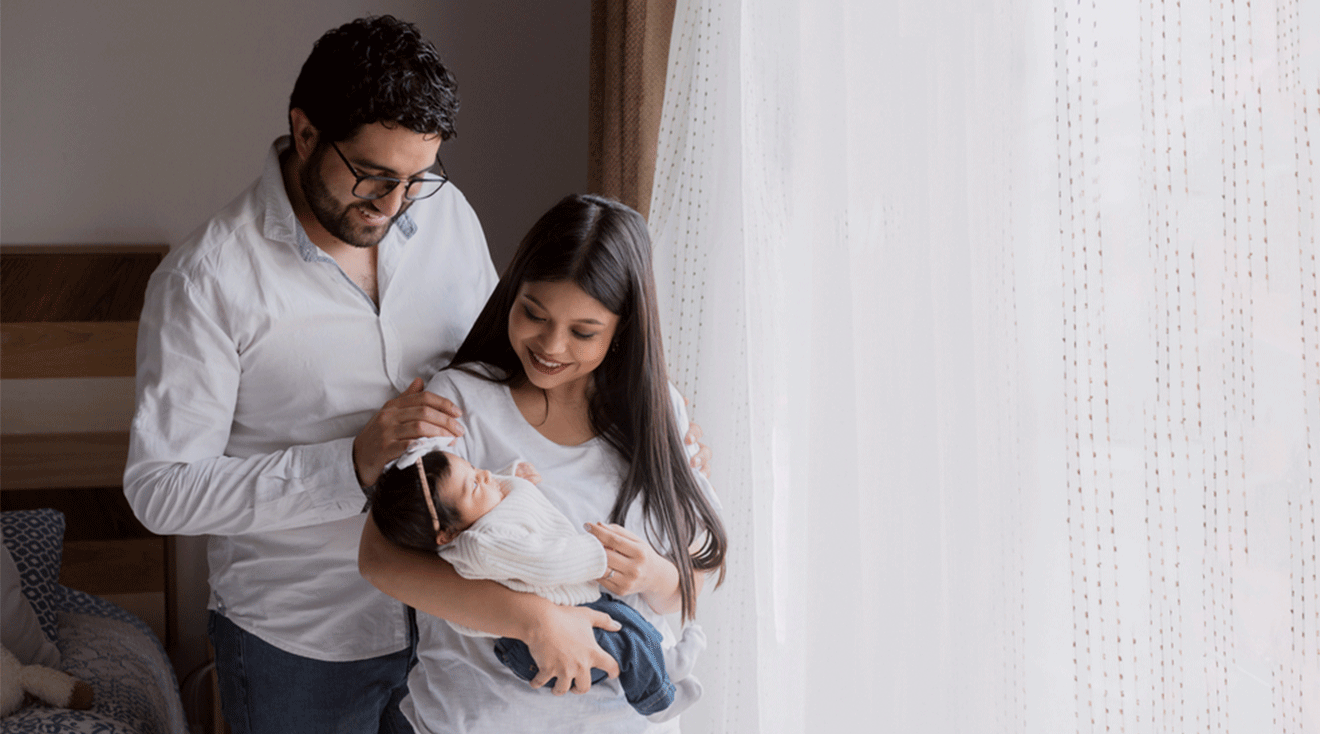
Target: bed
x=102, y=586
x=106, y=646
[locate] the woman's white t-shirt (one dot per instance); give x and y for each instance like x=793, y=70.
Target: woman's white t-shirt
x=458, y=685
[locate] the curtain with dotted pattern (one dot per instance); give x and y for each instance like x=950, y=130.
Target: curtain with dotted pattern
x=1002, y=320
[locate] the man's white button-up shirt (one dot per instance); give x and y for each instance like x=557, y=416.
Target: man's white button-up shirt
x=259, y=360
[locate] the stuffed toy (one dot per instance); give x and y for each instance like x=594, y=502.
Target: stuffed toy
x=44, y=684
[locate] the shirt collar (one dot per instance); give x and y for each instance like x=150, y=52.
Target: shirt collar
x=282, y=225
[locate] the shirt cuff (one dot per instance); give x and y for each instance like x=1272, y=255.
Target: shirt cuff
x=332, y=463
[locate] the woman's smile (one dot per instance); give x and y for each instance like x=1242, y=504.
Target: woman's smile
x=546, y=366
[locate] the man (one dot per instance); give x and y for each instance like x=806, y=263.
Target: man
x=273, y=349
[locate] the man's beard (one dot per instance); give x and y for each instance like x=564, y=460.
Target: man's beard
x=338, y=220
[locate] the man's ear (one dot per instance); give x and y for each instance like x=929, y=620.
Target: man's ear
x=443, y=537
x=305, y=133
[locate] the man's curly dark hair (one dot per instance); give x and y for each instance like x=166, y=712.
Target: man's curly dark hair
x=376, y=69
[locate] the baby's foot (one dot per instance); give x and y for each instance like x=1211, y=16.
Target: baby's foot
x=686, y=692
x=680, y=659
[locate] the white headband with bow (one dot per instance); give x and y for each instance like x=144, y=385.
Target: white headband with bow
x=419, y=447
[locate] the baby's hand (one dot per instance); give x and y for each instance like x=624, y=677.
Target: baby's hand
x=526, y=471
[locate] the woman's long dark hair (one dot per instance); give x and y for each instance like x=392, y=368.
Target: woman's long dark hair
x=603, y=247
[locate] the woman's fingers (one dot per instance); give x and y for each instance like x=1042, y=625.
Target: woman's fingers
x=601, y=620
x=562, y=682
x=701, y=460
x=602, y=534
x=602, y=659
x=567, y=651
x=616, y=537
x=694, y=433
x=624, y=557
x=630, y=559
x=699, y=454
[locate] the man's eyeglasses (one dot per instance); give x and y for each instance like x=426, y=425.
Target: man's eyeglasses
x=375, y=187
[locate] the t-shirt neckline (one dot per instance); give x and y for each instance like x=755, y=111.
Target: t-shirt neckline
x=512, y=406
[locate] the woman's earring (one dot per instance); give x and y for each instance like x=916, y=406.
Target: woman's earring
x=614, y=345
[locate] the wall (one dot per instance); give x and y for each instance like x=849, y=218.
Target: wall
x=133, y=121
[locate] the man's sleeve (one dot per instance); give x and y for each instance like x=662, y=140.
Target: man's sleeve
x=178, y=479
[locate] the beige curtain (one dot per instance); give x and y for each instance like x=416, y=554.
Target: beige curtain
x=629, y=57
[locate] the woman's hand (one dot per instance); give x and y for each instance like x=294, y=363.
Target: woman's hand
x=564, y=647
x=635, y=568
x=699, y=454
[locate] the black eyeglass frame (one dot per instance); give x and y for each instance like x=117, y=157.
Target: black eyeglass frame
x=394, y=182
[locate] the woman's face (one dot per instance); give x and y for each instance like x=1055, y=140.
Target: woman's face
x=560, y=333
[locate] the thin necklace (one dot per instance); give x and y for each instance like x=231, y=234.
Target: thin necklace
x=546, y=417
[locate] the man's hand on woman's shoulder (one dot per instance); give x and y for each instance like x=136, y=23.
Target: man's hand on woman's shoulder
x=415, y=413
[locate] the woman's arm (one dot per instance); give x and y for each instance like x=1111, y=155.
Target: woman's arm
x=560, y=638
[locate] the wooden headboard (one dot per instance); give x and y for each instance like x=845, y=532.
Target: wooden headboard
x=68, y=333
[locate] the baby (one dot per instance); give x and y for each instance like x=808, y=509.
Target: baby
x=501, y=527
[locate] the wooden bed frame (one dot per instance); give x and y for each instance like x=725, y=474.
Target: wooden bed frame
x=68, y=334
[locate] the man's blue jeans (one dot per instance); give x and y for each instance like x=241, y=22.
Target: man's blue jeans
x=636, y=647
x=265, y=690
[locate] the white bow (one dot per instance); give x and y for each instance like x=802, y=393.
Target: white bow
x=419, y=447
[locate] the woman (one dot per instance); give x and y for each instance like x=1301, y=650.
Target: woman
x=564, y=368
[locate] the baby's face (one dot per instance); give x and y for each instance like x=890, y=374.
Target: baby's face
x=473, y=492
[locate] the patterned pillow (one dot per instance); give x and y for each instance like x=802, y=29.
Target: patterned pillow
x=35, y=539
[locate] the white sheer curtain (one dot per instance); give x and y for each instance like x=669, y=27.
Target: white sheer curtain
x=1002, y=318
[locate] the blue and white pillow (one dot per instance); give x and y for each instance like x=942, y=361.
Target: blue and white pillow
x=35, y=539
